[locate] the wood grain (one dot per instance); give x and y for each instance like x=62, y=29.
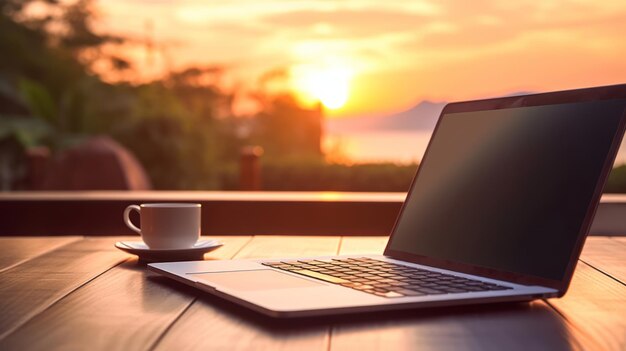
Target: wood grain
x=596, y=305
x=213, y=324
x=31, y=287
x=491, y=327
x=607, y=255
x=126, y=308
x=17, y=250
x=232, y=245
x=76, y=297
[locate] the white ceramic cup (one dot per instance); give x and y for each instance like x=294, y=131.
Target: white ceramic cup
x=167, y=225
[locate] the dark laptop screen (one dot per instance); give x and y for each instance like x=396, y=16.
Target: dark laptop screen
x=508, y=189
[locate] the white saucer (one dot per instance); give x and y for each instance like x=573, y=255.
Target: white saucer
x=146, y=254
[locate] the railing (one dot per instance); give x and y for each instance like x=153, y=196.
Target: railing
x=232, y=213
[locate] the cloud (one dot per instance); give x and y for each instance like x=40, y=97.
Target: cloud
x=347, y=23
x=239, y=30
x=489, y=24
x=400, y=50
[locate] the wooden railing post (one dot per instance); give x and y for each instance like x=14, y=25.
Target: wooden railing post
x=250, y=168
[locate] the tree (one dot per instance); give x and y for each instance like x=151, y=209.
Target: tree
x=286, y=129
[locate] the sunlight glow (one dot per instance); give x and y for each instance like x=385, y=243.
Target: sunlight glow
x=398, y=53
x=328, y=84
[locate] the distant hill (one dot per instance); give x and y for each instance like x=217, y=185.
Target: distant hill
x=422, y=116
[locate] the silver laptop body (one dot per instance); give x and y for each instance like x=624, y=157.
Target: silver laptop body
x=504, y=198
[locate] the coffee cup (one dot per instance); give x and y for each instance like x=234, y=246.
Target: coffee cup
x=166, y=225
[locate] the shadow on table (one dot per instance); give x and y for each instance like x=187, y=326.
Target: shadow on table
x=534, y=325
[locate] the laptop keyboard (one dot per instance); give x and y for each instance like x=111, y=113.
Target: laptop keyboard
x=383, y=278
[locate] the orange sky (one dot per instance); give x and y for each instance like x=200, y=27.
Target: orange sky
x=391, y=54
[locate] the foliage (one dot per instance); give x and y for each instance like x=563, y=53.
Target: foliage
x=39, y=100
x=170, y=124
x=181, y=127
x=617, y=180
x=175, y=147
x=17, y=134
x=28, y=132
x=315, y=175
x=286, y=130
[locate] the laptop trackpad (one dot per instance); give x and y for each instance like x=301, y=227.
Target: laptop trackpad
x=262, y=279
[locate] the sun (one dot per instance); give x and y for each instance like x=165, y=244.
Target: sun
x=329, y=85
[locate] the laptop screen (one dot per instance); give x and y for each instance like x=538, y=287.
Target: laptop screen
x=508, y=189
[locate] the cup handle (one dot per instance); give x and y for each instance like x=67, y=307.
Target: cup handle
x=130, y=224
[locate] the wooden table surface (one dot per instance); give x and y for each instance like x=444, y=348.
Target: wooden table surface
x=79, y=293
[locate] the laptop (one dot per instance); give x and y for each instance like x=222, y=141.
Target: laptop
x=498, y=211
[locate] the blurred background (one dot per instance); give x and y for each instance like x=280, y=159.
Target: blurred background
x=272, y=95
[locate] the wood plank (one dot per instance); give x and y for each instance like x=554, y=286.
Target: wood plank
x=211, y=323
x=16, y=250
x=126, y=308
x=596, y=305
x=356, y=245
x=508, y=327
x=532, y=326
x=607, y=255
x=31, y=287
x=232, y=245
x=289, y=246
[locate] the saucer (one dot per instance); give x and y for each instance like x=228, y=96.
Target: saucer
x=146, y=254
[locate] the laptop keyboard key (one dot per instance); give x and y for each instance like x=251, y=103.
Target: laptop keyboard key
x=388, y=294
x=408, y=292
x=320, y=276
x=363, y=287
x=383, y=278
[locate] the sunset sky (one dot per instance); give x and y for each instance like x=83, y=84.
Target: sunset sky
x=374, y=57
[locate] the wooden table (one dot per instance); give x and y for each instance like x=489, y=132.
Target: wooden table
x=80, y=293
